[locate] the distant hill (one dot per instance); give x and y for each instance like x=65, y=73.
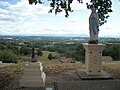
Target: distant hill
x=59, y=35
x=54, y=35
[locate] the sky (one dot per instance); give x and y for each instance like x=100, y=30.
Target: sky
x=17, y=17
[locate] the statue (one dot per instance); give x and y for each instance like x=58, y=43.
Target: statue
x=33, y=52
x=93, y=26
x=33, y=58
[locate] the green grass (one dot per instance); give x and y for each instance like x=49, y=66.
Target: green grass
x=44, y=57
x=25, y=58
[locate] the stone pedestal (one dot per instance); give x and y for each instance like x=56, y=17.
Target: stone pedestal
x=93, y=61
x=93, y=57
x=34, y=59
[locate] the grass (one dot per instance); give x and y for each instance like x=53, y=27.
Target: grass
x=25, y=58
x=7, y=74
x=51, y=68
x=112, y=68
x=44, y=57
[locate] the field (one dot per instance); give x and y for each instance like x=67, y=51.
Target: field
x=44, y=57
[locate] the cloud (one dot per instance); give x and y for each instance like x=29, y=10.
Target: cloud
x=3, y=11
x=7, y=19
x=77, y=6
x=25, y=8
x=24, y=19
x=11, y=18
x=109, y=29
x=26, y=16
x=24, y=11
x=4, y=3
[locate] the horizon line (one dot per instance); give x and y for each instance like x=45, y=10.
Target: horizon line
x=61, y=35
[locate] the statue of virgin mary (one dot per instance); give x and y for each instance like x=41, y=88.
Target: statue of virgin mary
x=93, y=26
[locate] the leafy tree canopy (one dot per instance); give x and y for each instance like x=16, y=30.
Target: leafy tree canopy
x=103, y=7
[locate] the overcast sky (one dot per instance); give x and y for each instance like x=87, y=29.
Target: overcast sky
x=17, y=17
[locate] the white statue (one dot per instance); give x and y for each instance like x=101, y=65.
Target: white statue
x=94, y=26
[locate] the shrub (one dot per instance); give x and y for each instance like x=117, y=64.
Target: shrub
x=50, y=56
x=8, y=56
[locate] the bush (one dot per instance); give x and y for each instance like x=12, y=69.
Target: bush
x=8, y=56
x=25, y=50
x=50, y=56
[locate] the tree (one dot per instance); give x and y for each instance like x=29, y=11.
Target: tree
x=7, y=56
x=103, y=7
x=2, y=47
x=40, y=52
x=112, y=50
x=80, y=53
x=25, y=50
x=50, y=56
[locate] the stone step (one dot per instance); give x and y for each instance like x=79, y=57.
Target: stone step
x=31, y=78
x=31, y=69
x=33, y=75
x=32, y=82
x=32, y=65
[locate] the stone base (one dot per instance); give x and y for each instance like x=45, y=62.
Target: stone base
x=34, y=59
x=84, y=76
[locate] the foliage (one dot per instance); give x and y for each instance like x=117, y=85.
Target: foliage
x=44, y=57
x=103, y=7
x=2, y=47
x=40, y=53
x=80, y=53
x=25, y=50
x=69, y=54
x=8, y=56
x=67, y=46
x=112, y=50
x=50, y=56
x=59, y=5
x=34, y=1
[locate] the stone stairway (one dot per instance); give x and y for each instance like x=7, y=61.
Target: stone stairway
x=33, y=75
